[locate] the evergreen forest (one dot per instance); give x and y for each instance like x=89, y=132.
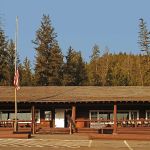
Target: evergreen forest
x=53, y=68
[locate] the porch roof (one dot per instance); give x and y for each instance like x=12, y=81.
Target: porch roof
x=75, y=94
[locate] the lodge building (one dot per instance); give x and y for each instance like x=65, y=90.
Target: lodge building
x=87, y=107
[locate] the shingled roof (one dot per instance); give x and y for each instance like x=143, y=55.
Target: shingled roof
x=75, y=94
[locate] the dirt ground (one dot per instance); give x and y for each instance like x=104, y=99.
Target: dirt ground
x=70, y=142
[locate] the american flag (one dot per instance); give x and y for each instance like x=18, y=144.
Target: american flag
x=16, y=80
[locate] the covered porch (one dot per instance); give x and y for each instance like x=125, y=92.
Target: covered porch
x=86, y=108
x=100, y=117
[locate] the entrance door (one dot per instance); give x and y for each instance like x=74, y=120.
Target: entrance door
x=59, y=118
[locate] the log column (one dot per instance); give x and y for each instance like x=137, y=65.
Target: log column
x=53, y=118
x=115, y=118
x=33, y=119
x=73, y=118
x=73, y=113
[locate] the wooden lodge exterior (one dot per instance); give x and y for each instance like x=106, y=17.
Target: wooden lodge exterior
x=83, y=107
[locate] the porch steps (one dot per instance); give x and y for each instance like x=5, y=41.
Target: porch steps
x=19, y=136
x=8, y=133
x=11, y=130
x=46, y=130
x=3, y=129
x=138, y=130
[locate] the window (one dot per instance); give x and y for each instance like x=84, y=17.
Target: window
x=102, y=115
x=128, y=115
x=105, y=115
x=134, y=115
x=48, y=115
x=3, y=116
x=121, y=115
x=103, y=118
x=148, y=114
x=24, y=115
x=99, y=114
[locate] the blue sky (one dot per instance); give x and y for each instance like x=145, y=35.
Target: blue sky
x=78, y=23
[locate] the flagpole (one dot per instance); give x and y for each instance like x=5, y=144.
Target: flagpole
x=16, y=36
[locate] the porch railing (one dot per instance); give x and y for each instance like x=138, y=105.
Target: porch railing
x=80, y=123
x=10, y=123
x=134, y=123
x=86, y=123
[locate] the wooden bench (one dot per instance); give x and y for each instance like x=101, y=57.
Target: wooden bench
x=105, y=130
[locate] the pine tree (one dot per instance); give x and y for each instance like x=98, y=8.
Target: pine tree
x=144, y=37
x=11, y=61
x=74, y=69
x=69, y=68
x=104, y=64
x=81, y=72
x=4, y=75
x=49, y=59
x=94, y=75
x=144, y=41
x=25, y=73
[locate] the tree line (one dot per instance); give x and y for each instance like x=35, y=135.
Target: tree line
x=52, y=68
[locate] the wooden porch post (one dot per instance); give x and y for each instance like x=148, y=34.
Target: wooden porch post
x=33, y=119
x=72, y=122
x=73, y=113
x=115, y=118
x=53, y=118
